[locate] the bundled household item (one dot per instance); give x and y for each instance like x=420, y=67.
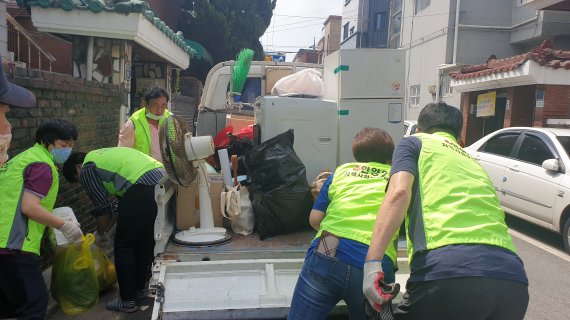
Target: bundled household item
x=308, y=82
x=318, y=182
x=278, y=187
x=236, y=205
x=104, y=269
x=237, y=144
x=74, y=281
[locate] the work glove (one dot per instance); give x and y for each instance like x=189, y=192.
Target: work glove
x=378, y=293
x=71, y=231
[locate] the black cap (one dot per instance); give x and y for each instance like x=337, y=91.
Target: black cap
x=14, y=95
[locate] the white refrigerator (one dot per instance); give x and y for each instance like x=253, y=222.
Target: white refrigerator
x=315, y=125
x=368, y=85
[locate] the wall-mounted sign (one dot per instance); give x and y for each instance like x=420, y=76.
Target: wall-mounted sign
x=486, y=104
x=128, y=71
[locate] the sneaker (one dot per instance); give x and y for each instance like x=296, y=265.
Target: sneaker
x=122, y=306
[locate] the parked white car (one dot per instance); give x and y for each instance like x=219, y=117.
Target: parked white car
x=409, y=127
x=530, y=169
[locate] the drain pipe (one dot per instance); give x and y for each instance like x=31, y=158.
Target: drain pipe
x=456, y=34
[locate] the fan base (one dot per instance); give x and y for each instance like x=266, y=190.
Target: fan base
x=202, y=236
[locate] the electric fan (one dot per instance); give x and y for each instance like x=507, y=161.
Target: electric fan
x=183, y=157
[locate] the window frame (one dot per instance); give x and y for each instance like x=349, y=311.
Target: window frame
x=415, y=97
x=345, y=30
x=514, y=147
x=542, y=137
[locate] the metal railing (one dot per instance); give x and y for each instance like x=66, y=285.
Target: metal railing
x=26, y=52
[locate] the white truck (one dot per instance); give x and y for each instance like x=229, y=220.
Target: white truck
x=248, y=278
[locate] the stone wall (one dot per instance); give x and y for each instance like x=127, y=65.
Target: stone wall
x=92, y=106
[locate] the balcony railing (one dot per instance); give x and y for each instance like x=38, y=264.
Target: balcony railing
x=25, y=48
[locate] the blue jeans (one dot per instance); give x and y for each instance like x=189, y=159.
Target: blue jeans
x=323, y=282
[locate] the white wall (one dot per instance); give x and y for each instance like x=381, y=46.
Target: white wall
x=426, y=36
x=350, y=15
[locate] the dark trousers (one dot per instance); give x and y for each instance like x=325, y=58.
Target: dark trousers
x=23, y=292
x=134, y=239
x=466, y=298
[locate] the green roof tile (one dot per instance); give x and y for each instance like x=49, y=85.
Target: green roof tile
x=126, y=7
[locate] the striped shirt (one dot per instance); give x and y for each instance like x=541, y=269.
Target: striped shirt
x=92, y=183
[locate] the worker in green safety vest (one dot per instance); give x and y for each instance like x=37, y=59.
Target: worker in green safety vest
x=131, y=176
x=29, y=183
x=344, y=215
x=141, y=130
x=462, y=259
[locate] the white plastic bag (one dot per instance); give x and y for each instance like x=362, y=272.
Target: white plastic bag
x=308, y=81
x=236, y=206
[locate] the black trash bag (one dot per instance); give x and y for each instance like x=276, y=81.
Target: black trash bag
x=278, y=187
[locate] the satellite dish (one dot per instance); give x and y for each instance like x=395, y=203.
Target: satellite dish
x=184, y=160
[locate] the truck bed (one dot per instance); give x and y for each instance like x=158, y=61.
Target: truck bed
x=289, y=246
x=245, y=278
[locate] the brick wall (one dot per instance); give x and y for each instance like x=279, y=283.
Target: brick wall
x=556, y=104
x=92, y=106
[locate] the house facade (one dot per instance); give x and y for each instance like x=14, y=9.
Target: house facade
x=330, y=41
x=443, y=36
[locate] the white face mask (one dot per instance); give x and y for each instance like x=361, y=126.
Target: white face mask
x=4, y=144
x=153, y=116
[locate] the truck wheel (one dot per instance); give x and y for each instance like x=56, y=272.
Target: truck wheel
x=566, y=235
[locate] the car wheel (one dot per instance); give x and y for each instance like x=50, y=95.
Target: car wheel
x=566, y=235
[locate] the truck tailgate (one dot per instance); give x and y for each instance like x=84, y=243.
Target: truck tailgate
x=227, y=289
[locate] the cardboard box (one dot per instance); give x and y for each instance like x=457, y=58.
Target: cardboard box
x=188, y=203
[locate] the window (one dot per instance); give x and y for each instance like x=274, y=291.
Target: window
x=380, y=21
x=396, y=5
x=345, y=31
x=395, y=27
x=534, y=150
x=420, y=5
x=395, y=42
x=415, y=96
x=397, y=23
x=352, y=31
x=501, y=145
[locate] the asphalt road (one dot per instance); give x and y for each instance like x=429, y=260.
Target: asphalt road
x=548, y=270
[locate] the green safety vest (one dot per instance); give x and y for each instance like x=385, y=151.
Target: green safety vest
x=142, y=130
x=456, y=201
x=16, y=230
x=355, y=195
x=120, y=167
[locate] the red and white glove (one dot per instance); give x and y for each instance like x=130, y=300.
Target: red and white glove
x=375, y=289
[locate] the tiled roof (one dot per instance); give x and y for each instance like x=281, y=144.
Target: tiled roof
x=125, y=7
x=544, y=55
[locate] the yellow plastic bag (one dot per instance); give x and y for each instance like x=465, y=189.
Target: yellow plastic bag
x=104, y=268
x=74, y=282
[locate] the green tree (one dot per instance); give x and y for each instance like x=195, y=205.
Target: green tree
x=225, y=27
